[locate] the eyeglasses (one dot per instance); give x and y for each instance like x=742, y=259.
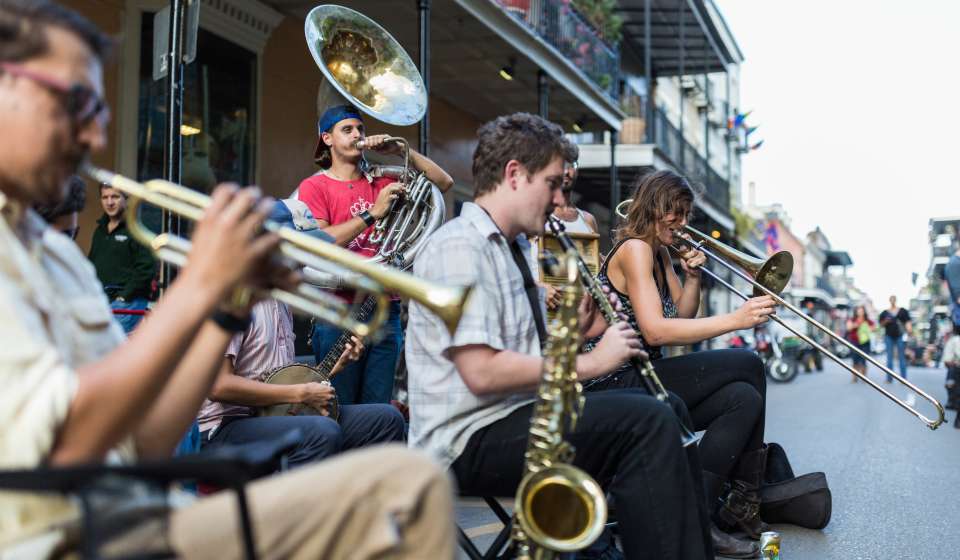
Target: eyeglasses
x=81, y=102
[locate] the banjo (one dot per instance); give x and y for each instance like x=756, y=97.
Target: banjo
x=295, y=374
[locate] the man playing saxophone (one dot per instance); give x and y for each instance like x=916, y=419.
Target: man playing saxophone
x=471, y=394
x=347, y=202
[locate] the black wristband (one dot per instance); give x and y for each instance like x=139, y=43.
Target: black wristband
x=367, y=218
x=230, y=323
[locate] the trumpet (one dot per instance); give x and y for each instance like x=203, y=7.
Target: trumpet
x=366, y=277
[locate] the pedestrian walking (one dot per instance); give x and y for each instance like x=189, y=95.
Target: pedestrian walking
x=896, y=323
x=859, y=331
x=951, y=359
x=951, y=274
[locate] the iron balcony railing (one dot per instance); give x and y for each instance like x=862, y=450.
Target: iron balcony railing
x=671, y=142
x=559, y=24
x=825, y=285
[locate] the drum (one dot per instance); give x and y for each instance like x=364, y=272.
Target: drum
x=295, y=374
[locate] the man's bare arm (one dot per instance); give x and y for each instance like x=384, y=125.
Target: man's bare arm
x=434, y=172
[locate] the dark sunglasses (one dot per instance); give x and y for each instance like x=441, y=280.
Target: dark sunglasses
x=81, y=102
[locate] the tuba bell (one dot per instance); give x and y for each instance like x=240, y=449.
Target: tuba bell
x=371, y=71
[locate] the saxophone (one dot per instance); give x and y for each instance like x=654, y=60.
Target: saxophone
x=559, y=508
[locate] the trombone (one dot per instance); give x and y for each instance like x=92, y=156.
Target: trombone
x=769, y=278
x=366, y=277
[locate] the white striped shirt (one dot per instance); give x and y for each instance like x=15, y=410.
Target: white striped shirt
x=469, y=249
x=266, y=345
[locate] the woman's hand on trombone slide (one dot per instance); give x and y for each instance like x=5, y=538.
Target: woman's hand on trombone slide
x=754, y=311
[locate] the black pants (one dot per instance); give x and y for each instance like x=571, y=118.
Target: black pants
x=630, y=443
x=725, y=392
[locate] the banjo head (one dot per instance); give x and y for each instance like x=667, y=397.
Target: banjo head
x=296, y=374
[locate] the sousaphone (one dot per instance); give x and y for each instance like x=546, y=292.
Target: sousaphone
x=371, y=71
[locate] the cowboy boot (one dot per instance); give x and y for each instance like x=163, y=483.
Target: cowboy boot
x=740, y=510
x=724, y=544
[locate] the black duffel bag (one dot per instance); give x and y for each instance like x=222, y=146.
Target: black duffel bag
x=804, y=500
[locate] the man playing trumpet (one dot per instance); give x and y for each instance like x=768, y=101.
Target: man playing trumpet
x=347, y=202
x=75, y=392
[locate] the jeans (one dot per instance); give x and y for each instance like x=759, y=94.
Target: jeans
x=630, y=443
x=128, y=322
x=369, y=379
x=360, y=425
x=901, y=346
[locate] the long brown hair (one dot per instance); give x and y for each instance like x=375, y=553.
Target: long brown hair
x=655, y=195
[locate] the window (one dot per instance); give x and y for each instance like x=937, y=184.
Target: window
x=219, y=105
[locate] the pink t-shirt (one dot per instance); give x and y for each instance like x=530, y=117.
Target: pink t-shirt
x=336, y=202
x=267, y=344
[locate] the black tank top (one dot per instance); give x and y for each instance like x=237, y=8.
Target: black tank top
x=666, y=302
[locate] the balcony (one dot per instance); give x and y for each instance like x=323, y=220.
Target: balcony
x=669, y=139
x=561, y=26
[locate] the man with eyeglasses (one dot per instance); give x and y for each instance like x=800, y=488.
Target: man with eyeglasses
x=74, y=391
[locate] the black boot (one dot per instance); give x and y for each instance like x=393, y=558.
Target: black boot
x=741, y=507
x=724, y=544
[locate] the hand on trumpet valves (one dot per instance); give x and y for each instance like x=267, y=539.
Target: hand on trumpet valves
x=316, y=395
x=754, y=311
x=386, y=197
x=229, y=248
x=379, y=143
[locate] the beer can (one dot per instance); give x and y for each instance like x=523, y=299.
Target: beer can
x=770, y=545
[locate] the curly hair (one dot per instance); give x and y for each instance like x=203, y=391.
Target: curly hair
x=656, y=195
x=23, y=26
x=529, y=139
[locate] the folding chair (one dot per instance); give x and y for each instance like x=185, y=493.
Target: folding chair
x=496, y=549
x=225, y=466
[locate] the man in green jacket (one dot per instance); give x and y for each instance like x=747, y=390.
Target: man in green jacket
x=125, y=267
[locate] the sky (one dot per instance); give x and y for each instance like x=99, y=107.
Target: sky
x=854, y=102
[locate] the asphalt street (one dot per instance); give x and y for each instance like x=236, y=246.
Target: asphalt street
x=895, y=483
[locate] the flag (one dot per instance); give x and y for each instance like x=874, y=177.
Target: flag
x=738, y=120
x=771, y=237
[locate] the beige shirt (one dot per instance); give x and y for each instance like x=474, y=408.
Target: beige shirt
x=54, y=318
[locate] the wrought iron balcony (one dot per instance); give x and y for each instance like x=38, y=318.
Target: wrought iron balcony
x=670, y=140
x=559, y=24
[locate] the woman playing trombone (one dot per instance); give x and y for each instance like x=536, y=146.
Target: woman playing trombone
x=724, y=390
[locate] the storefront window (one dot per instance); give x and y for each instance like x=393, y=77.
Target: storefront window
x=219, y=113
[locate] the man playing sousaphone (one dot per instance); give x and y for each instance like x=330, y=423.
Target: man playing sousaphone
x=347, y=202
x=228, y=416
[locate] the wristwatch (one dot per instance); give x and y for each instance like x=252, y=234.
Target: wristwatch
x=367, y=217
